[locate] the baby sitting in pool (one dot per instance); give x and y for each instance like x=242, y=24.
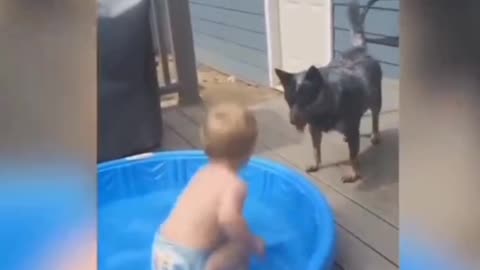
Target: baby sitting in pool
x=206, y=229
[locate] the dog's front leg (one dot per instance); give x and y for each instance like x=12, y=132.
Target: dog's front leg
x=353, y=140
x=316, y=135
x=375, y=138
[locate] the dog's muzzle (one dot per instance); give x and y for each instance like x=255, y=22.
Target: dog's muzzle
x=296, y=119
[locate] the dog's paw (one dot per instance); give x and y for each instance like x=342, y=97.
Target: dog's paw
x=351, y=178
x=312, y=168
x=375, y=139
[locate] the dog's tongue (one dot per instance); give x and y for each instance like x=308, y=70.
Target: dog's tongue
x=300, y=127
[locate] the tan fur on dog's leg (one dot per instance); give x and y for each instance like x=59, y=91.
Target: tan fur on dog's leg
x=354, y=173
x=316, y=135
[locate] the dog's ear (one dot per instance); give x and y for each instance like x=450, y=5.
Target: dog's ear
x=314, y=75
x=284, y=77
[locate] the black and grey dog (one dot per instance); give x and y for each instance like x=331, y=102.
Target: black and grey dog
x=336, y=96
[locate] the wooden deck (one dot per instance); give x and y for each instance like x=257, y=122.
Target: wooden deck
x=366, y=211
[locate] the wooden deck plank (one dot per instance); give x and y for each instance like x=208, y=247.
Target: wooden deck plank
x=171, y=140
x=372, y=233
x=354, y=256
x=184, y=126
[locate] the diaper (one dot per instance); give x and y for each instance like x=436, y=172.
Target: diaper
x=170, y=256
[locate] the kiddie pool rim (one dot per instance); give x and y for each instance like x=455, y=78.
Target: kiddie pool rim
x=324, y=255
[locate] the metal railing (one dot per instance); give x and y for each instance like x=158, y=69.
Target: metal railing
x=392, y=41
x=173, y=42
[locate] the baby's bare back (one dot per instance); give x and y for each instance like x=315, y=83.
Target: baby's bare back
x=194, y=221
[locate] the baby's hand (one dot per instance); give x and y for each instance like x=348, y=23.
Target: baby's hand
x=259, y=246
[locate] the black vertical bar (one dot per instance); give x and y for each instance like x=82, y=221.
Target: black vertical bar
x=161, y=40
x=183, y=47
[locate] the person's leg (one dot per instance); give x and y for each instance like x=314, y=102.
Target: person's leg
x=229, y=256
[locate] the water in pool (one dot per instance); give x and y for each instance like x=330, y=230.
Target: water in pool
x=126, y=230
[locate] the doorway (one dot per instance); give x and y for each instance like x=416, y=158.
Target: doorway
x=300, y=34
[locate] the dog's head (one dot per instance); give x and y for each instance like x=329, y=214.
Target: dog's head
x=301, y=92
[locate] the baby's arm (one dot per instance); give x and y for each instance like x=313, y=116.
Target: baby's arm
x=232, y=221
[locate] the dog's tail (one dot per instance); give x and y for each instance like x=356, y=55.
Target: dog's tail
x=356, y=19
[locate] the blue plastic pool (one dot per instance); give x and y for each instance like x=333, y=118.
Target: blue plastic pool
x=283, y=208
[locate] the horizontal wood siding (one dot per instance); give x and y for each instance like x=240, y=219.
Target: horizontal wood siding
x=229, y=35
x=382, y=21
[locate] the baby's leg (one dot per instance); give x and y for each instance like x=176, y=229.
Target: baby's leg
x=229, y=256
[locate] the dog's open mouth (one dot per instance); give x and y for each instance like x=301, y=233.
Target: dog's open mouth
x=297, y=119
x=300, y=127
x=299, y=124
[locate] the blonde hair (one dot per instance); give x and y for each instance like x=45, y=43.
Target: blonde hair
x=229, y=132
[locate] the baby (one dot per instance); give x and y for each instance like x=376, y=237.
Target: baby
x=206, y=229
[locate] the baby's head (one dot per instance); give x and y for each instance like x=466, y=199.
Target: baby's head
x=229, y=134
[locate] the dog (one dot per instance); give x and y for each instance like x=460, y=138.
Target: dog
x=335, y=97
